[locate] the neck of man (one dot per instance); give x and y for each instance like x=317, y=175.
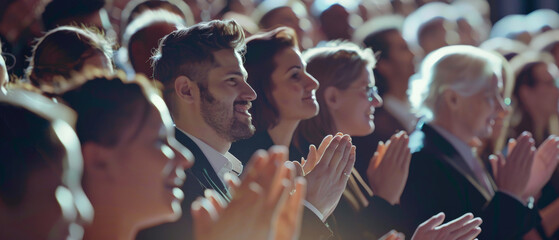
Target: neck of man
x=445, y=121
x=282, y=134
x=201, y=130
x=398, y=88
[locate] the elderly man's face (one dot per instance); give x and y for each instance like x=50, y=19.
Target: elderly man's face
x=476, y=113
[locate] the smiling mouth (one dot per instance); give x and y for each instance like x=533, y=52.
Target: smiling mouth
x=243, y=107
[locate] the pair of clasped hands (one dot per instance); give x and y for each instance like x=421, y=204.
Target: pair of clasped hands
x=268, y=202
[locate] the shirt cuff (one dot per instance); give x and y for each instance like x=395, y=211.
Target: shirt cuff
x=314, y=210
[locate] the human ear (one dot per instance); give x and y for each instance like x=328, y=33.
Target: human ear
x=451, y=99
x=184, y=88
x=98, y=162
x=331, y=97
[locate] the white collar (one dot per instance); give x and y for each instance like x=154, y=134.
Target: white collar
x=221, y=163
x=401, y=111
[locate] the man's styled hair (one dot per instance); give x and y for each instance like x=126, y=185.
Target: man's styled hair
x=189, y=52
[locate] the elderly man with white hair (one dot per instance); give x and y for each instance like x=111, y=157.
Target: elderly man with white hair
x=464, y=97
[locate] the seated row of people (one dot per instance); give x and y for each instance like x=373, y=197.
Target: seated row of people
x=300, y=102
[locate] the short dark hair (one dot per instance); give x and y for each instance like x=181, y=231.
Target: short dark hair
x=379, y=42
x=29, y=143
x=62, y=51
x=104, y=106
x=189, y=52
x=260, y=63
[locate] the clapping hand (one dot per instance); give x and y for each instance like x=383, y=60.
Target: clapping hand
x=388, y=168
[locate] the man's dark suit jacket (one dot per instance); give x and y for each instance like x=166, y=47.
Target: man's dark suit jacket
x=201, y=177
x=440, y=181
x=198, y=178
x=386, y=125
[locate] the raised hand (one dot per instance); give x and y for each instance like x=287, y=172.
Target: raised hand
x=512, y=174
x=315, y=155
x=327, y=181
x=545, y=163
x=465, y=227
x=261, y=204
x=389, y=166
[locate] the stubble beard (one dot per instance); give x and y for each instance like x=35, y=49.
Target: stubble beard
x=223, y=119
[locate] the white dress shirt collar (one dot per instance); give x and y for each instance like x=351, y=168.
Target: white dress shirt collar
x=221, y=164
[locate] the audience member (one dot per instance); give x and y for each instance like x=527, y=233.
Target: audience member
x=394, y=67
x=90, y=13
x=445, y=175
x=41, y=196
x=134, y=167
x=65, y=50
x=271, y=14
x=431, y=27
x=142, y=37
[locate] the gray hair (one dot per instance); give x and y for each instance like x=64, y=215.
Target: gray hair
x=461, y=68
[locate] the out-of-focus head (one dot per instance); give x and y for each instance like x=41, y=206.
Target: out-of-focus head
x=64, y=51
x=547, y=42
x=472, y=27
x=278, y=75
x=535, y=91
x=395, y=60
x=134, y=166
x=90, y=13
x=507, y=47
x=135, y=8
x=513, y=26
x=542, y=20
x=143, y=34
x=430, y=27
x=335, y=22
x=460, y=80
x=201, y=70
x=18, y=15
x=347, y=93
x=40, y=171
x=271, y=14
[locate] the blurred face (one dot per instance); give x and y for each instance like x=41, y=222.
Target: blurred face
x=293, y=88
x=545, y=92
x=54, y=202
x=357, y=103
x=400, y=58
x=487, y=104
x=225, y=101
x=151, y=164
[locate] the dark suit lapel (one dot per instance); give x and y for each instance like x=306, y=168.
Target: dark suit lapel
x=202, y=168
x=439, y=145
